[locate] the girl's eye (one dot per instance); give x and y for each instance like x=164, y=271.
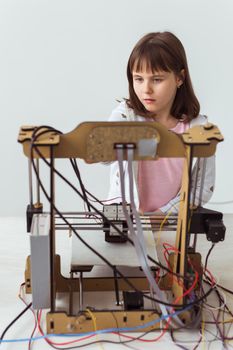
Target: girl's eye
x=157, y=80
x=138, y=79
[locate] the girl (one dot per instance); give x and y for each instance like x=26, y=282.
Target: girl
x=160, y=89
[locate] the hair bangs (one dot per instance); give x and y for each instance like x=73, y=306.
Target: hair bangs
x=153, y=59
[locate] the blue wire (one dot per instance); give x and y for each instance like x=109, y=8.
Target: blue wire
x=108, y=330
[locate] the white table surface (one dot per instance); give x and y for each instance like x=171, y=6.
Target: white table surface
x=14, y=248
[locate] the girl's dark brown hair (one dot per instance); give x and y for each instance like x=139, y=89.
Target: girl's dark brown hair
x=163, y=51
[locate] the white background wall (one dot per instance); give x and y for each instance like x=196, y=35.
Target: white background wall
x=64, y=61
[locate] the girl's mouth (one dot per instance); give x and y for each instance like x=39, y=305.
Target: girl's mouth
x=149, y=100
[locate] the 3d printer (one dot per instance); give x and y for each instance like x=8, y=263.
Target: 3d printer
x=172, y=296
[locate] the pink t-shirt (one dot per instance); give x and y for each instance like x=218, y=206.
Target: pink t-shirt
x=159, y=181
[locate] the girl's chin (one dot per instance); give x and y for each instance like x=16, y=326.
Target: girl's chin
x=151, y=110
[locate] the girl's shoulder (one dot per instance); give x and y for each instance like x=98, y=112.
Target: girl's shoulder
x=124, y=113
x=199, y=120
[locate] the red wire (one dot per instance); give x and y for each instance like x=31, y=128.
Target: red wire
x=168, y=263
x=175, y=249
x=63, y=343
x=171, y=246
x=35, y=320
x=157, y=275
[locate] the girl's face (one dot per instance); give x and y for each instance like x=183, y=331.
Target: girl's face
x=156, y=90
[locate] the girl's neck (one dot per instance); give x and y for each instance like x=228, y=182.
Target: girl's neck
x=166, y=120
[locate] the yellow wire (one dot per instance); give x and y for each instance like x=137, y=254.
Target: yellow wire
x=93, y=319
x=95, y=326
x=161, y=226
x=227, y=321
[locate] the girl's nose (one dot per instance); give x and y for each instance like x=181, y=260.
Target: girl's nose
x=147, y=87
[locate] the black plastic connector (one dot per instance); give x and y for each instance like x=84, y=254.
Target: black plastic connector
x=116, y=237
x=133, y=300
x=36, y=208
x=215, y=230
x=210, y=222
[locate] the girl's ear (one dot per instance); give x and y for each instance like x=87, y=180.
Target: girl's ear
x=180, y=78
x=182, y=73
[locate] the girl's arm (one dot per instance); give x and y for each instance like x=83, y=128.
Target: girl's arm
x=120, y=113
x=205, y=187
